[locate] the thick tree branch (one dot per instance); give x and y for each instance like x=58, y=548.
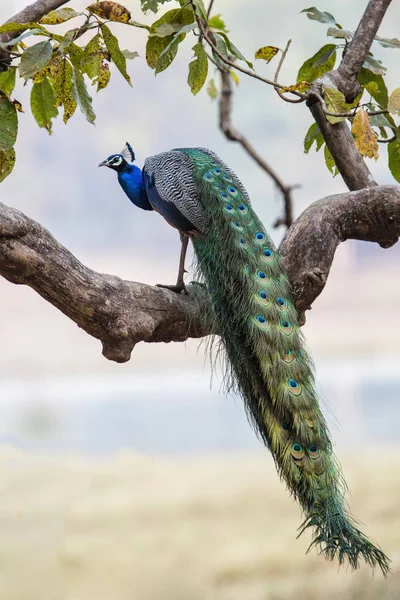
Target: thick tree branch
x=339, y=140
x=309, y=247
x=119, y=313
x=359, y=46
x=122, y=313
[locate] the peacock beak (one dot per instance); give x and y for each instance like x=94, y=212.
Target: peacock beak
x=105, y=163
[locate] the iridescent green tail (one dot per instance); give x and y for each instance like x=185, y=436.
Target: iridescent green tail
x=255, y=315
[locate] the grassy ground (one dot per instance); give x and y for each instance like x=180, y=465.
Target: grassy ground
x=147, y=528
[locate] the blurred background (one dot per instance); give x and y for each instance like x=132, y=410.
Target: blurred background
x=141, y=481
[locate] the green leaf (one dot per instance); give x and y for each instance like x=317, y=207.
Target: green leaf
x=8, y=124
x=344, y=34
x=212, y=89
x=234, y=49
x=329, y=161
x=152, y=5
x=55, y=17
x=168, y=54
x=35, y=58
x=221, y=46
x=217, y=23
x=335, y=102
x=82, y=97
x=7, y=162
x=7, y=80
x=388, y=43
x=113, y=48
x=322, y=62
x=267, y=53
x=321, y=16
x=375, y=85
x=313, y=135
x=198, y=69
x=43, y=102
x=64, y=89
x=394, y=102
x=394, y=158
x=173, y=21
x=374, y=65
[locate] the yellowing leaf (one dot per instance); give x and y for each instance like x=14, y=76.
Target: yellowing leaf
x=198, y=69
x=234, y=76
x=64, y=89
x=7, y=162
x=336, y=103
x=104, y=76
x=8, y=123
x=212, y=89
x=365, y=138
x=301, y=86
x=394, y=102
x=267, y=53
x=55, y=17
x=111, y=11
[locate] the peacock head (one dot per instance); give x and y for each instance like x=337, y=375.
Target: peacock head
x=118, y=162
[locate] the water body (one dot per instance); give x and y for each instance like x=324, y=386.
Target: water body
x=179, y=413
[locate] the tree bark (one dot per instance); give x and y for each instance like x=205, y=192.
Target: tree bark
x=122, y=313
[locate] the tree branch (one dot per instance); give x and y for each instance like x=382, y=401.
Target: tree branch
x=226, y=125
x=359, y=46
x=122, y=313
x=119, y=313
x=372, y=215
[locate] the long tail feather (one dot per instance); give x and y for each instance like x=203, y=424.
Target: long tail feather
x=255, y=315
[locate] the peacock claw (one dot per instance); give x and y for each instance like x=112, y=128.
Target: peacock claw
x=177, y=288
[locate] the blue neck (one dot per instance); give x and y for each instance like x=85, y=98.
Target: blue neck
x=131, y=182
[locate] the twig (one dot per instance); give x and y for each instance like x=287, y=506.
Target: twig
x=280, y=94
x=209, y=9
x=235, y=136
x=388, y=140
x=226, y=60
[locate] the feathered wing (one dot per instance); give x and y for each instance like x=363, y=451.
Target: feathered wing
x=257, y=320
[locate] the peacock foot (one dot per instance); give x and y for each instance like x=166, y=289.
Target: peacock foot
x=179, y=288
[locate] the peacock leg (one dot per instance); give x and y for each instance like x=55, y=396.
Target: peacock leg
x=179, y=287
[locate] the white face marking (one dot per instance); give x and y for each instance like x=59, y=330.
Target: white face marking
x=116, y=161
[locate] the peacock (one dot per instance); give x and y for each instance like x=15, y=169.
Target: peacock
x=253, y=311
